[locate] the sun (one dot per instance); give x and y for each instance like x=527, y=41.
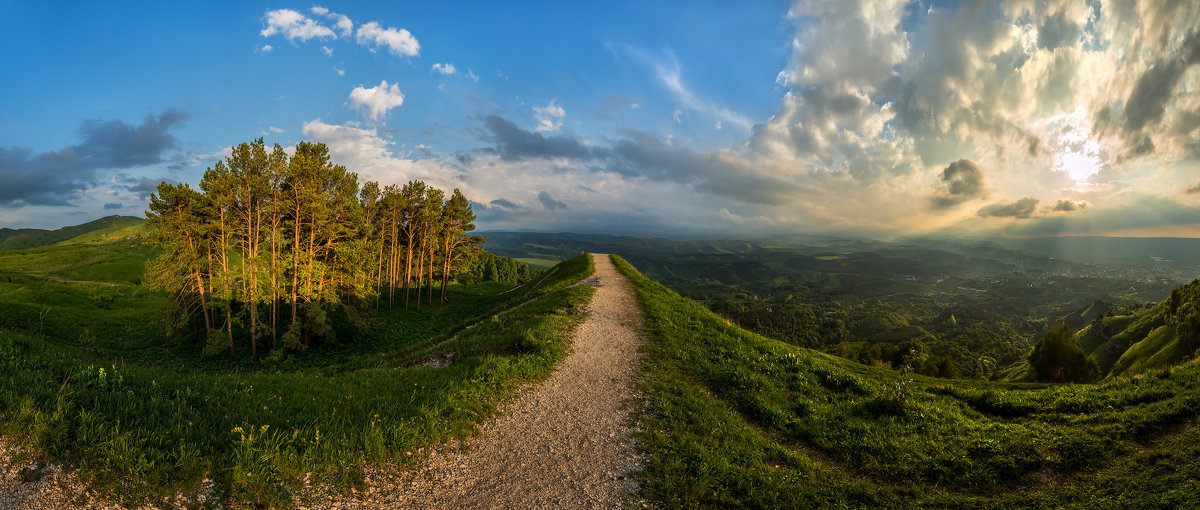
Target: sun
x=1081, y=165
x=1078, y=154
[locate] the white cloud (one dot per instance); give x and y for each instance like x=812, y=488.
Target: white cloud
x=275, y=129
x=341, y=72
x=471, y=75
x=447, y=68
x=717, y=126
x=549, y=117
x=372, y=157
x=377, y=101
x=677, y=114
x=342, y=22
x=328, y=51
x=266, y=48
x=399, y=42
x=294, y=25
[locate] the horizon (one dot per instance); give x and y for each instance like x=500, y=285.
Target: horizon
x=907, y=119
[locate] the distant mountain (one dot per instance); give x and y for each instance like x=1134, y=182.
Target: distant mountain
x=108, y=228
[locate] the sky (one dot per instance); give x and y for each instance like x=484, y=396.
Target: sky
x=877, y=118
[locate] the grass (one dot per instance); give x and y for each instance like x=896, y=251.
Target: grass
x=89, y=383
x=735, y=419
x=538, y=263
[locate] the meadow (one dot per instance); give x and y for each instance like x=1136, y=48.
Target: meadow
x=90, y=382
x=738, y=420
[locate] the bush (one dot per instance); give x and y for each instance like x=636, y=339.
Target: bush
x=1058, y=358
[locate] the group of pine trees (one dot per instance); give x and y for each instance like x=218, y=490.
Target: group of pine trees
x=271, y=245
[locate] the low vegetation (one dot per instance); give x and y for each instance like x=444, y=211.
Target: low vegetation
x=737, y=420
x=975, y=309
x=90, y=382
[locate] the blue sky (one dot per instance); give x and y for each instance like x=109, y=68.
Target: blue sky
x=873, y=117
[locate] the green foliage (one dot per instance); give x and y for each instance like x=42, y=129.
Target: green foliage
x=141, y=419
x=1058, y=358
x=492, y=268
x=736, y=420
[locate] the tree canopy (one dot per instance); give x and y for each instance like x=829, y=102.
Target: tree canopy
x=272, y=244
x=1057, y=357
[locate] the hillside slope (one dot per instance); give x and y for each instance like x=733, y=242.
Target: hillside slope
x=106, y=227
x=739, y=420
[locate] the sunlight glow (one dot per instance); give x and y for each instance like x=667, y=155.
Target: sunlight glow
x=1078, y=153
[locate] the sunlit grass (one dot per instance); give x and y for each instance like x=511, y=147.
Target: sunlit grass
x=739, y=420
x=145, y=425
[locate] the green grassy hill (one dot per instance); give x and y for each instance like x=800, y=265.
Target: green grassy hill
x=737, y=420
x=109, y=228
x=91, y=381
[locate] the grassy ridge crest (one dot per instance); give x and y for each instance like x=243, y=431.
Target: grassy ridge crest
x=735, y=419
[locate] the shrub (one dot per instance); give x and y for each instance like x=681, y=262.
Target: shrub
x=1058, y=358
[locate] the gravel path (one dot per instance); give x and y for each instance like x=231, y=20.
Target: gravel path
x=565, y=443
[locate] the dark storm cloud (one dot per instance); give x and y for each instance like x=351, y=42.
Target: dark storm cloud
x=505, y=203
x=516, y=144
x=645, y=155
x=549, y=202
x=144, y=186
x=1146, y=104
x=497, y=211
x=1022, y=208
x=113, y=205
x=964, y=180
x=53, y=178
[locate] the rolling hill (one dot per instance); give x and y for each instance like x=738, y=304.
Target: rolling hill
x=108, y=228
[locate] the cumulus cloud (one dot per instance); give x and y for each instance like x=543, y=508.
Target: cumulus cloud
x=443, y=68
x=398, y=41
x=376, y=101
x=963, y=181
x=549, y=203
x=1020, y=209
x=293, y=26
x=341, y=22
x=374, y=157
x=549, y=117
x=56, y=177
